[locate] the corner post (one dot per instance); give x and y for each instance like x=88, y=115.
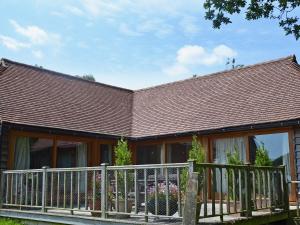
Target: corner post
x=103, y=189
x=248, y=191
x=44, y=188
x=285, y=191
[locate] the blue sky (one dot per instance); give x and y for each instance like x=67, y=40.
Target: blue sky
x=133, y=44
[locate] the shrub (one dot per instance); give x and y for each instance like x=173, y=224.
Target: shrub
x=262, y=156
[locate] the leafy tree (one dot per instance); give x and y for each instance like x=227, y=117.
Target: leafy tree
x=196, y=153
x=285, y=11
x=262, y=156
x=233, y=158
x=88, y=77
x=122, y=153
x=123, y=157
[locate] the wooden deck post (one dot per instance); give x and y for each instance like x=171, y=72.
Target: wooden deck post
x=1, y=187
x=191, y=210
x=248, y=191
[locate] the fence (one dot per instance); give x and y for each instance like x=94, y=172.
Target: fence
x=133, y=190
x=243, y=189
x=147, y=191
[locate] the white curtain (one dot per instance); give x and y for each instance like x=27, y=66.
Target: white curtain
x=222, y=147
x=22, y=153
x=81, y=151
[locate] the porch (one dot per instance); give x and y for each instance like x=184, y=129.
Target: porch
x=144, y=194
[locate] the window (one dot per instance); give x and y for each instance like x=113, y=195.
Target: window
x=178, y=152
x=71, y=154
x=32, y=153
x=224, y=145
x=149, y=154
x=106, y=154
x=276, y=144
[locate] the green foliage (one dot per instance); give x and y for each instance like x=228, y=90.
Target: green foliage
x=233, y=158
x=196, y=153
x=284, y=11
x=5, y=221
x=122, y=153
x=262, y=156
x=88, y=77
x=123, y=157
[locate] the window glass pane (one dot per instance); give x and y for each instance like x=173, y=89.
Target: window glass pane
x=277, y=145
x=178, y=152
x=71, y=154
x=149, y=154
x=224, y=145
x=32, y=153
x=106, y=154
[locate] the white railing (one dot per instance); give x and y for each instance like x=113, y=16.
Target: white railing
x=123, y=191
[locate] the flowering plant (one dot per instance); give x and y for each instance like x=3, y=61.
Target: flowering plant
x=162, y=190
x=161, y=197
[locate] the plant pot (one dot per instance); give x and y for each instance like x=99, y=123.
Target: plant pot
x=162, y=206
x=97, y=207
x=121, y=208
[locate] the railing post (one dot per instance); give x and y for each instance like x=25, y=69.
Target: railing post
x=192, y=165
x=1, y=187
x=248, y=200
x=103, y=189
x=44, y=188
x=285, y=190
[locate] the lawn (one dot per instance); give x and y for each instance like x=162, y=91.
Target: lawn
x=10, y=222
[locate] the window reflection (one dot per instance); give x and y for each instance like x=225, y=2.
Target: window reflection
x=32, y=153
x=178, y=152
x=149, y=154
x=106, y=154
x=71, y=154
x=276, y=144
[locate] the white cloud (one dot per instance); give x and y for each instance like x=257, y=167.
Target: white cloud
x=74, y=10
x=176, y=70
x=189, y=25
x=197, y=55
x=157, y=27
x=12, y=43
x=191, y=56
x=38, y=54
x=124, y=29
x=102, y=7
x=35, y=34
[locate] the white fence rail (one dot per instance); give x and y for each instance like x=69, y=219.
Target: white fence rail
x=133, y=190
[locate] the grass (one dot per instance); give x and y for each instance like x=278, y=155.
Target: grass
x=10, y=222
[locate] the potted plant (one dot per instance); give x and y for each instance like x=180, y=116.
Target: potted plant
x=162, y=200
x=123, y=157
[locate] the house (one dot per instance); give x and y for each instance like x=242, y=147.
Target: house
x=57, y=120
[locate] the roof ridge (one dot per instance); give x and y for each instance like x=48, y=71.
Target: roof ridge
x=63, y=74
x=206, y=76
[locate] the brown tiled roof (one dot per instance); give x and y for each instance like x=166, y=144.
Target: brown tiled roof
x=261, y=93
x=255, y=94
x=35, y=96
